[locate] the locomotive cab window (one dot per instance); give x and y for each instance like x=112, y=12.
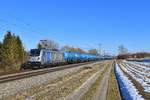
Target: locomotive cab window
x=35, y=52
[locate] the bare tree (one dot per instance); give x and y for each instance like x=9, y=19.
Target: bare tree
x=122, y=50
x=48, y=44
x=66, y=48
x=93, y=51
x=71, y=48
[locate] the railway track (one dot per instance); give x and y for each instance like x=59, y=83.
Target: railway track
x=16, y=76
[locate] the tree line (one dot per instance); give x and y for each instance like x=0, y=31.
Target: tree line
x=133, y=55
x=124, y=54
x=53, y=45
x=12, y=52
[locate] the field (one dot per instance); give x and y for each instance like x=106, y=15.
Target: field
x=137, y=78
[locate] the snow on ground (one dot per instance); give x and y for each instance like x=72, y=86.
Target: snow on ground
x=143, y=77
x=144, y=65
x=128, y=90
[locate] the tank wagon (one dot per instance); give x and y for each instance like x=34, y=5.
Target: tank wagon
x=40, y=58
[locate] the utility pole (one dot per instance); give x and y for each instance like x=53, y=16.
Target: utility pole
x=99, y=49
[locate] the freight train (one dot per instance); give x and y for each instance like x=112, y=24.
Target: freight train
x=40, y=58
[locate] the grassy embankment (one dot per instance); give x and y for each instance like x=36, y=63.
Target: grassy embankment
x=90, y=94
x=113, y=89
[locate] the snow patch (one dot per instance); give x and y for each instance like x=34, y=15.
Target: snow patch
x=128, y=90
x=139, y=72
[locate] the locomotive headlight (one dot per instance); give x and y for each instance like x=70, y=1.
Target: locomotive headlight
x=38, y=58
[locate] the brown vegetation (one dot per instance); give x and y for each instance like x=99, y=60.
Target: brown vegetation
x=113, y=89
x=134, y=55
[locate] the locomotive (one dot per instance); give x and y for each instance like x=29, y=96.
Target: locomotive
x=40, y=58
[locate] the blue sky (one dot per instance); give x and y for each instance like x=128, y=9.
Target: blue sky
x=81, y=23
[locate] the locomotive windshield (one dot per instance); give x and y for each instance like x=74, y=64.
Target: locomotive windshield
x=35, y=52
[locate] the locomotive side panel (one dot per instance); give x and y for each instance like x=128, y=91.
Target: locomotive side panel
x=57, y=57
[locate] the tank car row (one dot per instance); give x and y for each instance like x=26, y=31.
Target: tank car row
x=39, y=58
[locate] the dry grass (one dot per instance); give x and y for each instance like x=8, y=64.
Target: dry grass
x=1, y=70
x=113, y=90
x=90, y=94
